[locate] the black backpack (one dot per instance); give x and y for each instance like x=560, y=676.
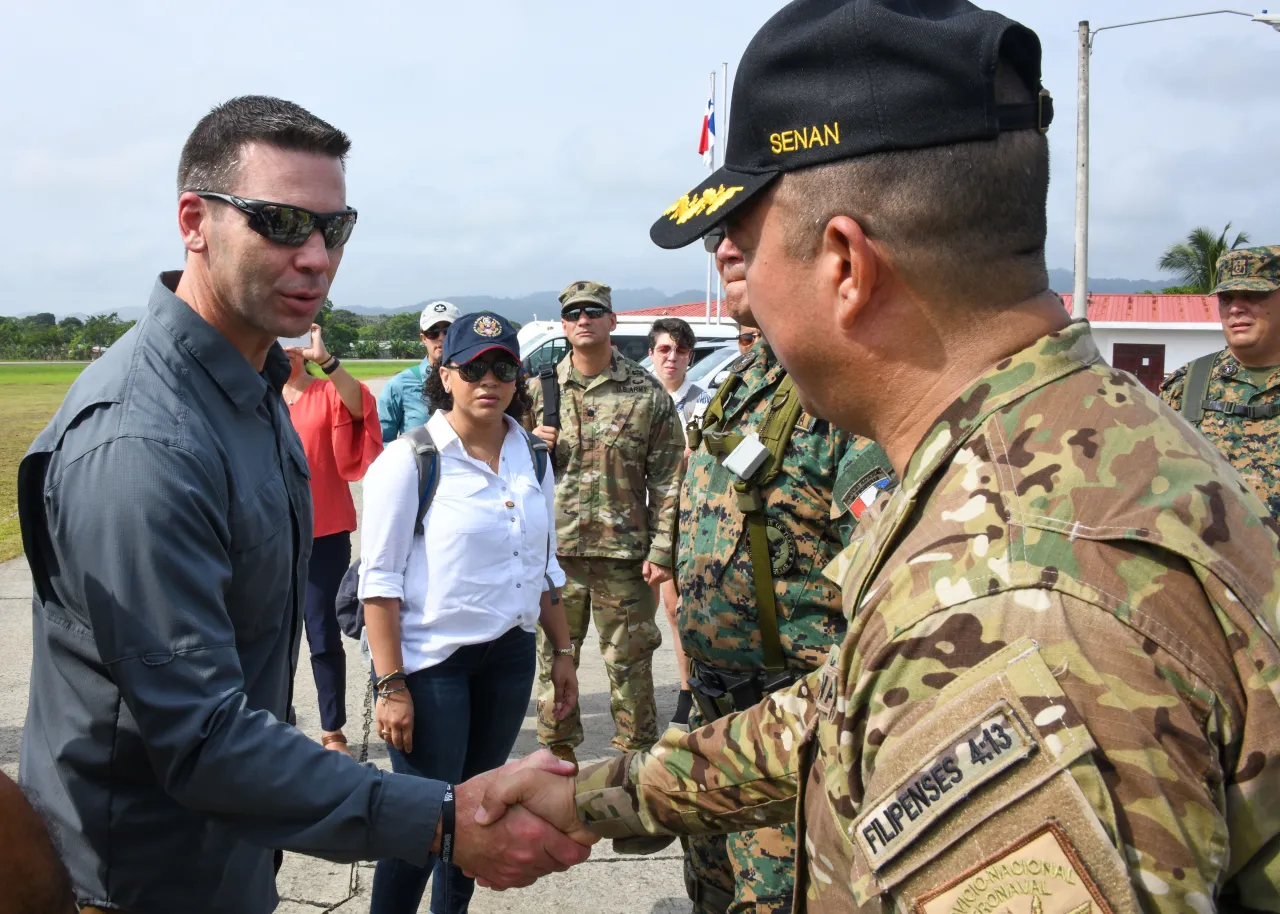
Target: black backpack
x=427, y=459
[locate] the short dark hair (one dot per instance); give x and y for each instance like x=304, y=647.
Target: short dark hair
x=679, y=330
x=211, y=156
x=967, y=219
x=437, y=397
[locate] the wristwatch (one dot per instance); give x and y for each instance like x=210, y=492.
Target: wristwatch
x=563, y=651
x=330, y=364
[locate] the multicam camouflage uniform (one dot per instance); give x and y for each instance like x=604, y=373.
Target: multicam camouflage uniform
x=1059, y=689
x=1238, y=399
x=617, y=461
x=754, y=871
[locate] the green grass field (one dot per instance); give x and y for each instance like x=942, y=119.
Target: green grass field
x=30, y=394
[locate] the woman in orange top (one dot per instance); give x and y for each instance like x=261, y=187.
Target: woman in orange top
x=337, y=420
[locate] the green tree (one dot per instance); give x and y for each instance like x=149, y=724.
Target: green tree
x=1195, y=261
x=339, y=338
x=404, y=327
x=367, y=349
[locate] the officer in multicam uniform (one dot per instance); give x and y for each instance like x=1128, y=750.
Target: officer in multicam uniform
x=617, y=449
x=1059, y=688
x=755, y=614
x=1233, y=396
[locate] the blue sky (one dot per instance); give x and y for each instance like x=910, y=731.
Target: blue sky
x=508, y=147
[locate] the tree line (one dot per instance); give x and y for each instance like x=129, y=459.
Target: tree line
x=42, y=337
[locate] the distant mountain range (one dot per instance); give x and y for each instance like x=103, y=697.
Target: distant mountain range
x=1064, y=281
x=545, y=305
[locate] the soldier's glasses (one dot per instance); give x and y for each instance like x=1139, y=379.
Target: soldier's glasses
x=505, y=370
x=594, y=312
x=711, y=240
x=289, y=225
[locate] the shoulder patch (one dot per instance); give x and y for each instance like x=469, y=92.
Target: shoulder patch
x=974, y=755
x=1039, y=873
x=743, y=362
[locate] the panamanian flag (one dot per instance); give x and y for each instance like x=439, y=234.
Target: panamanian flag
x=708, y=139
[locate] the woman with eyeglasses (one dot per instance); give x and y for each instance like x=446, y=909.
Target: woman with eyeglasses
x=451, y=614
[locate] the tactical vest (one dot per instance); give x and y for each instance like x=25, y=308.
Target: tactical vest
x=1196, y=387
x=775, y=434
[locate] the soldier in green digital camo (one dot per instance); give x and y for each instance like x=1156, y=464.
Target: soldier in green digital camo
x=1233, y=396
x=755, y=612
x=617, y=447
x=1060, y=687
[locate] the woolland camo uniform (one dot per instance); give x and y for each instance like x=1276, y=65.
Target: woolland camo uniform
x=616, y=460
x=720, y=626
x=1234, y=406
x=1059, y=688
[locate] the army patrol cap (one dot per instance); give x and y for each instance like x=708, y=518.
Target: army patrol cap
x=825, y=80
x=586, y=292
x=1249, y=270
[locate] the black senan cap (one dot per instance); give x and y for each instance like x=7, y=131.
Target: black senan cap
x=832, y=79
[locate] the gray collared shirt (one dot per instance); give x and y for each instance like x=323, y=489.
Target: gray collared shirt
x=166, y=515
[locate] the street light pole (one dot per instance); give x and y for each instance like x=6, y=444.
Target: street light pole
x=1080, y=288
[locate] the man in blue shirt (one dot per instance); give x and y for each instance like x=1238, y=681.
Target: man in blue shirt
x=400, y=405
x=166, y=517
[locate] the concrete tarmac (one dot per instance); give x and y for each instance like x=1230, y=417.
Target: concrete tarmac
x=605, y=884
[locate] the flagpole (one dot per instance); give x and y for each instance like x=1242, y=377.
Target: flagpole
x=724, y=132
x=711, y=167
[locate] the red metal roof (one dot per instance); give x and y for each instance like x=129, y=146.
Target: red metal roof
x=688, y=309
x=1142, y=309
x=1151, y=309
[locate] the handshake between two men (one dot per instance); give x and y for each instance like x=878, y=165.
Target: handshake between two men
x=519, y=822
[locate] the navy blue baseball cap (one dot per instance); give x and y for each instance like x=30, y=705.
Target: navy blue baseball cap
x=474, y=334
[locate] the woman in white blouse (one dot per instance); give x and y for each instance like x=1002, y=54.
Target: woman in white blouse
x=451, y=614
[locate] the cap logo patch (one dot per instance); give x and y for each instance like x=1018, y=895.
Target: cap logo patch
x=487, y=326
x=439, y=308
x=804, y=138
x=706, y=202
x=1239, y=267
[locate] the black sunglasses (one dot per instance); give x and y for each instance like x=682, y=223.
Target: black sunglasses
x=595, y=312
x=434, y=334
x=711, y=240
x=290, y=225
x=504, y=369
x=748, y=338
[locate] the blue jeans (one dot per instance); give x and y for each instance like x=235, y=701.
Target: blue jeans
x=467, y=713
x=330, y=556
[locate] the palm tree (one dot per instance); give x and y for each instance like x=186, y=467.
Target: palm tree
x=1195, y=262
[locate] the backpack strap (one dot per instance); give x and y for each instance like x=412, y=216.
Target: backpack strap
x=427, y=460
x=550, y=396
x=1196, y=387
x=539, y=453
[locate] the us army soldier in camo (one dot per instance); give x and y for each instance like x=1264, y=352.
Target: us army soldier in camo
x=617, y=458
x=754, y=871
x=1244, y=384
x=1060, y=687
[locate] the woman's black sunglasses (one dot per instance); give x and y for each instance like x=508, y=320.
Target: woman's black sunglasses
x=290, y=225
x=505, y=370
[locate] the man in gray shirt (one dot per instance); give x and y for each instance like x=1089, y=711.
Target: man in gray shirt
x=166, y=516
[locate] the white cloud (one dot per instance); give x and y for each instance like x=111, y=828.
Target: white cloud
x=508, y=147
